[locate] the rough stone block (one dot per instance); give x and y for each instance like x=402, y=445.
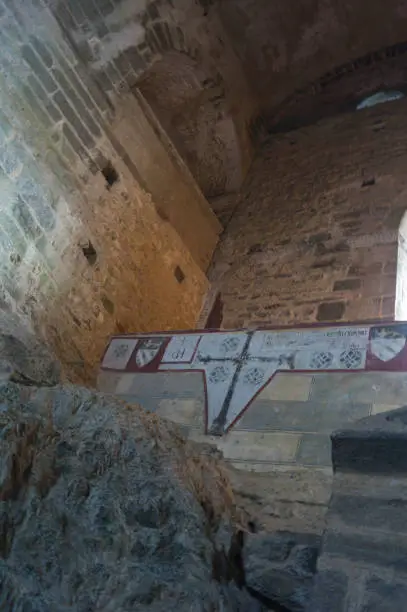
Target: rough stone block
x=311, y=416
x=91, y=11
x=11, y=237
x=36, y=106
x=188, y=412
x=6, y=129
x=330, y=311
x=64, y=15
x=135, y=60
x=97, y=93
x=259, y=446
x=293, y=387
x=25, y=219
x=39, y=198
x=160, y=33
x=372, y=548
x=122, y=64
x=43, y=51
x=12, y=158
x=384, y=596
x=370, y=512
x=44, y=99
x=74, y=141
x=82, y=90
x=314, y=450
x=78, y=105
x=329, y=594
x=38, y=68
x=349, y=284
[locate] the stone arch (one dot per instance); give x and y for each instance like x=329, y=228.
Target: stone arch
x=342, y=88
x=188, y=97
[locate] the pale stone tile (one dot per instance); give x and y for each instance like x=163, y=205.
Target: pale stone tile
x=380, y=408
x=314, y=450
x=386, y=388
x=311, y=416
x=125, y=384
x=294, y=387
x=182, y=411
x=253, y=446
x=107, y=381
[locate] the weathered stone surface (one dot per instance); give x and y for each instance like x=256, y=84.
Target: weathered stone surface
x=374, y=444
x=330, y=590
x=281, y=567
x=105, y=507
x=22, y=357
x=363, y=560
x=385, y=596
x=330, y=311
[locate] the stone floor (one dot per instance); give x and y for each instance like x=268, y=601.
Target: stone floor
x=313, y=234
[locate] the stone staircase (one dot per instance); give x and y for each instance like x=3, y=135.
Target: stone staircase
x=363, y=560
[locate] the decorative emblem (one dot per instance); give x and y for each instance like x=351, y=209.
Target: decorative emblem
x=229, y=345
x=120, y=350
x=255, y=377
x=147, y=350
x=219, y=374
x=352, y=358
x=386, y=343
x=321, y=361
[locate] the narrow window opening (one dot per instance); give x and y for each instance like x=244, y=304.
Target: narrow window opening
x=90, y=253
x=379, y=98
x=110, y=173
x=179, y=275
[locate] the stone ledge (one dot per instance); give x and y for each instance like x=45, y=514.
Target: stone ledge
x=374, y=444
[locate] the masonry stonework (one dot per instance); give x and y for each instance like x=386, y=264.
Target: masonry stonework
x=98, y=211
x=314, y=234
x=181, y=57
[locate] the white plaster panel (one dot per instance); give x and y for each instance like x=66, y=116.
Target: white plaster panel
x=181, y=349
x=221, y=346
x=219, y=377
x=119, y=352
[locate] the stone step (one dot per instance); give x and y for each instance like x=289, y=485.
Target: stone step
x=363, y=565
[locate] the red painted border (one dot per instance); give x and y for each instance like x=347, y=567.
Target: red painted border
x=168, y=335
x=316, y=324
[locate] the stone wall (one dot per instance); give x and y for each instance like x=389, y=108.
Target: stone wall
x=362, y=563
x=181, y=56
x=314, y=234
x=286, y=45
x=90, y=241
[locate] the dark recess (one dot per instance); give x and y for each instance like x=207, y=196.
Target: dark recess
x=110, y=173
x=179, y=275
x=90, y=253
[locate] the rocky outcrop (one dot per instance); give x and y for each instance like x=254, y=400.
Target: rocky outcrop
x=22, y=357
x=106, y=507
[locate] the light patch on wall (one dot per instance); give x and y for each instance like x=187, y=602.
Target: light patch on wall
x=401, y=279
x=114, y=44
x=380, y=98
